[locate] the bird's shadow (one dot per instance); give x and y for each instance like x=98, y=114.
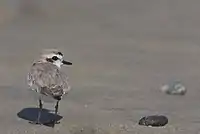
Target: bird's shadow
x=30, y=114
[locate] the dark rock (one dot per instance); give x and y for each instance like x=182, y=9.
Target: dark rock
x=154, y=120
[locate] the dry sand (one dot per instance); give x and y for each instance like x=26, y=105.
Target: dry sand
x=122, y=52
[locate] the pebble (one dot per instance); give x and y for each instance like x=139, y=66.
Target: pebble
x=153, y=120
x=174, y=88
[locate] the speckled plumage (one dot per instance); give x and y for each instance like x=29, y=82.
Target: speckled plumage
x=47, y=79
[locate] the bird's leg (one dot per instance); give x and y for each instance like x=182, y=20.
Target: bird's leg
x=56, y=108
x=54, y=121
x=56, y=113
x=39, y=114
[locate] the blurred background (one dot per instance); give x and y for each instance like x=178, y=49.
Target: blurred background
x=122, y=52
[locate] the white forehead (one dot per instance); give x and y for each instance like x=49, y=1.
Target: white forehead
x=59, y=56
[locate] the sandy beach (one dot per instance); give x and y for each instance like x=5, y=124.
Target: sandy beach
x=122, y=52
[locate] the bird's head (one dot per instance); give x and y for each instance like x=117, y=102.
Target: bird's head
x=55, y=57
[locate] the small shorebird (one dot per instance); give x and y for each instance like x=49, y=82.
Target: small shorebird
x=47, y=80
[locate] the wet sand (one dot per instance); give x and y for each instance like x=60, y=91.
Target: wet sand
x=122, y=52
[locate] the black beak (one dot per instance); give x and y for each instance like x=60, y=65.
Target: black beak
x=66, y=62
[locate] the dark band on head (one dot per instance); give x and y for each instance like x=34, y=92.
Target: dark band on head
x=60, y=53
x=49, y=60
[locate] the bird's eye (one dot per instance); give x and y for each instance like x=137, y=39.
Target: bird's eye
x=54, y=58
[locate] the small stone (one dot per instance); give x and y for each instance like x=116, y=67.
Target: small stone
x=174, y=88
x=153, y=120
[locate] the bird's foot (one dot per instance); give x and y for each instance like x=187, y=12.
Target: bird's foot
x=54, y=122
x=35, y=122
